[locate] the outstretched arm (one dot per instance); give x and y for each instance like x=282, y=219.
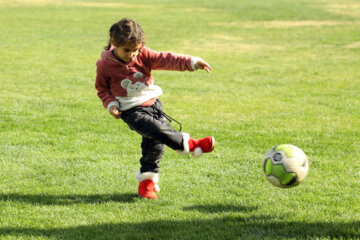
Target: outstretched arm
x=171, y=61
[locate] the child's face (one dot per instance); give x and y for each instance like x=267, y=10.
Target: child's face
x=127, y=52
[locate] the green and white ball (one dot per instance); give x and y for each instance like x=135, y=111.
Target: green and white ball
x=285, y=166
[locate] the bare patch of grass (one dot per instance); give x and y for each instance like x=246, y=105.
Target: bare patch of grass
x=228, y=44
x=226, y=37
x=353, y=45
x=15, y=3
x=350, y=9
x=284, y=24
x=344, y=6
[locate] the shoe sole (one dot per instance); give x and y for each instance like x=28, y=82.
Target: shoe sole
x=213, y=144
x=148, y=197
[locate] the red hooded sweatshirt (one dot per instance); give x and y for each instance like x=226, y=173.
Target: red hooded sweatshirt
x=128, y=85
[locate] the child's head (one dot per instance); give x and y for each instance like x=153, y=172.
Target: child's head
x=125, y=32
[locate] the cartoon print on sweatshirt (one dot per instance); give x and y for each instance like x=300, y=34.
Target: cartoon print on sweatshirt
x=134, y=88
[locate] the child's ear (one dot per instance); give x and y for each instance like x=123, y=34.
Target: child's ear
x=113, y=42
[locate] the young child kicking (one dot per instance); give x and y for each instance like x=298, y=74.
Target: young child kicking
x=126, y=87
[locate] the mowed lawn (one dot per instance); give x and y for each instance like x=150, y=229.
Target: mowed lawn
x=285, y=71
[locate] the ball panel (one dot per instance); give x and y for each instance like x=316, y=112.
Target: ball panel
x=292, y=151
x=285, y=177
x=267, y=166
x=303, y=171
x=278, y=171
x=286, y=148
x=274, y=181
x=288, y=178
x=292, y=165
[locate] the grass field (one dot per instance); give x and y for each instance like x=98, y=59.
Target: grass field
x=285, y=71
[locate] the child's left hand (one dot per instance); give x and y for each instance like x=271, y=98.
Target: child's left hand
x=201, y=64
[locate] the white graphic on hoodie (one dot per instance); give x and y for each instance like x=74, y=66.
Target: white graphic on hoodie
x=137, y=92
x=133, y=89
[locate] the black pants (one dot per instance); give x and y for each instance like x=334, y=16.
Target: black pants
x=156, y=132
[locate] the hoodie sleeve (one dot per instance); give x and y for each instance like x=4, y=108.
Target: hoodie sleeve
x=102, y=86
x=169, y=61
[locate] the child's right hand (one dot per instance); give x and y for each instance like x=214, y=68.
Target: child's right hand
x=201, y=64
x=115, y=112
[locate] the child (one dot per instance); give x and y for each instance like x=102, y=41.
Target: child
x=126, y=88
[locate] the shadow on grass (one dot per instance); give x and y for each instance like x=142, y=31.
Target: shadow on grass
x=219, y=208
x=45, y=199
x=242, y=225
x=220, y=228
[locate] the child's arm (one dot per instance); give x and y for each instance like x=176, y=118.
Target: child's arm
x=104, y=93
x=171, y=61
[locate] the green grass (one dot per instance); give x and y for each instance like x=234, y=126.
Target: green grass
x=285, y=71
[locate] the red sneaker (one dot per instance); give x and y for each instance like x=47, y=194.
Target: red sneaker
x=147, y=189
x=200, y=146
x=148, y=184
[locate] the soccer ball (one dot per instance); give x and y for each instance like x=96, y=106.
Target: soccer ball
x=285, y=166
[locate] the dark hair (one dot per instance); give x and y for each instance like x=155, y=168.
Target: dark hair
x=126, y=31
